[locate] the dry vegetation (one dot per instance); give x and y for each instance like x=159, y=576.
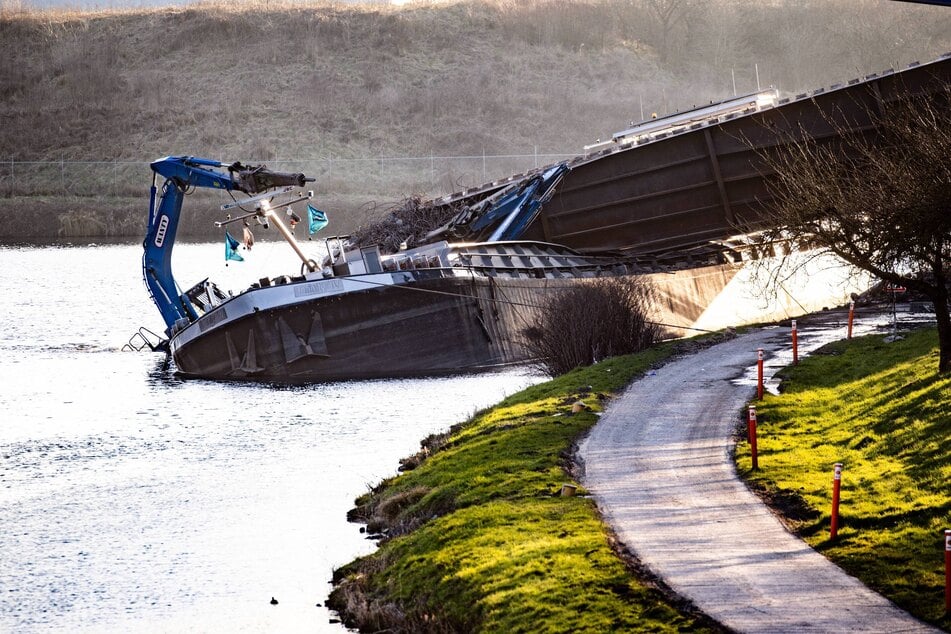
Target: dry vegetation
x=583, y=325
x=278, y=81
x=407, y=223
x=881, y=202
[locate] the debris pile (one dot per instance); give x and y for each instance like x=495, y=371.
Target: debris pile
x=408, y=222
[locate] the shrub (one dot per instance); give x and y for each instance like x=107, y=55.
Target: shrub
x=584, y=324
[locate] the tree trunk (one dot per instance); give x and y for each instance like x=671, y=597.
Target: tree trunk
x=943, y=317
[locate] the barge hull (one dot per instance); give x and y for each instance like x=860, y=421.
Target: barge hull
x=434, y=324
x=441, y=321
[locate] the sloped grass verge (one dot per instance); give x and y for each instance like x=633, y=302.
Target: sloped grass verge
x=478, y=537
x=881, y=410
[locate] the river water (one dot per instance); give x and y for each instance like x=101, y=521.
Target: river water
x=131, y=500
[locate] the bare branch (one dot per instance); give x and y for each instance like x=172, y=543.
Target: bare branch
x=876, y=195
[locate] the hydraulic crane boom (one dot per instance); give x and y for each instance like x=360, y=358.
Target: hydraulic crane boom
x=182, y=173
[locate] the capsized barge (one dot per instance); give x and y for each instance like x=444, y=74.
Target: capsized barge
x=441, y=308
x=669, y=201
x=447, y=308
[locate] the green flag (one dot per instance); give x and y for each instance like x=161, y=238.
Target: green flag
x=231, y=248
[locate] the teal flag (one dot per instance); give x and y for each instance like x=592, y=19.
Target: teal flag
x=231, y=248
x=316, y=219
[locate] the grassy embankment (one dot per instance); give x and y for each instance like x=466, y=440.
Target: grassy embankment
x=881, y=410
x=481, y=540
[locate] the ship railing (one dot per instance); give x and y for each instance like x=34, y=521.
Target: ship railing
x=144, y=338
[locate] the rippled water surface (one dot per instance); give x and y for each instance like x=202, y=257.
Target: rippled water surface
x=133, y=501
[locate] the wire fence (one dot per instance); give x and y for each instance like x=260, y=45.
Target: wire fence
x=423, y=175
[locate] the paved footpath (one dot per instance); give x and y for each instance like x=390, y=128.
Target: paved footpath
x=658, y=463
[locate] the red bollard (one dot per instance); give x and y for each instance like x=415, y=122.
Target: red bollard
x=795, y=344
x=851, y=318
x=947, y=572
x=836, y=482
x=751, y=432
x=759, y=374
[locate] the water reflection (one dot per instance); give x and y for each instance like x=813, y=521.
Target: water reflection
x=134, y=500
x=824, y=328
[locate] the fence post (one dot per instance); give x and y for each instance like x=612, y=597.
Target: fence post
x=836, y=484
x=851, y=318
x=795, y=344
x=751, y=432
x=759, y=374
x=947, y=572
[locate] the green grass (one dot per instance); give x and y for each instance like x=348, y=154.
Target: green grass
x=881, y=410
x=485, y=543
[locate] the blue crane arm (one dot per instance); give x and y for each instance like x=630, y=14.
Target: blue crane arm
x=527, y=210
x=509, y=216
x=181, y=174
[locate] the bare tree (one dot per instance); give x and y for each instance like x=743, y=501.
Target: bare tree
x=878, y=196
x=668, y=14
x=584, y=324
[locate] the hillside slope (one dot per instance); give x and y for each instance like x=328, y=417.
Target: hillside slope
x=461, y=77
x=288, y=82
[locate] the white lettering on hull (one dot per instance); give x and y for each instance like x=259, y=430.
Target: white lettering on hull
x=318, y=288
x=160, y=234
